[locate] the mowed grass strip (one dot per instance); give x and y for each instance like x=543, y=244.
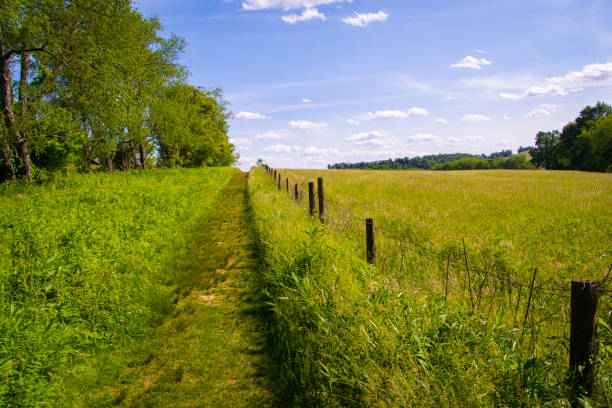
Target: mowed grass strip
x=211, y=352
x=84, y=275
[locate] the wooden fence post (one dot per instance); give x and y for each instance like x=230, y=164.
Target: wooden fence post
x=311, y=198
x=274, y=175
x=297, y=193
x=583, y=329
x=370, y=245
x=287, y=182
x=279, y=181
x=321, y=200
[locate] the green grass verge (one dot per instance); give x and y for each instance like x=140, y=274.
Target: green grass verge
x=85, y=270
x=351, y=335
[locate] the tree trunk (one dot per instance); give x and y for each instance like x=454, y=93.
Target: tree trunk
x=109, y=162
x=6, y=104
x=22, y=141
x=143, y=157
x=134, y=155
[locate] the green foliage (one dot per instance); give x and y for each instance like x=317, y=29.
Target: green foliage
x=353, y=335
x=582, y=145
x=425, y=162
x=515, y=162
x=92, y=91
x=86, y=269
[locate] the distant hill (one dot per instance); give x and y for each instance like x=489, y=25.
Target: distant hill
x=424, y=162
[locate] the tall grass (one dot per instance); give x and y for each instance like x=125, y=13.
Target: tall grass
x=387, y=336
x=85, y=270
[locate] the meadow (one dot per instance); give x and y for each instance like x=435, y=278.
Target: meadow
x=449, y=316
x=88, y=265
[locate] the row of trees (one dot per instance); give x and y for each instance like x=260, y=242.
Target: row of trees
x=520, y=161
x=87, y=83
x=584, y=144
x=425, y=162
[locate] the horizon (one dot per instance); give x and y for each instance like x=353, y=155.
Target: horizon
x=317, y=82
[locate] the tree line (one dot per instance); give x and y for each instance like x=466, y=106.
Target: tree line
x=425, y=162
x=92, y=84
x=584, y=144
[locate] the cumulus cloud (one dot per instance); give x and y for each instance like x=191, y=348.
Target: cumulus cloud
x=307, y=15
x=241, y=142
x=250, y=115
x=286, y=4
x=269, y=136
x=591, y=74
x=551, y=90
x=304, y=124
x=306, y=100
x=352, y=122
x=574, y=81
x=422, y=137
x=475, y=118
x=441, y=121
x=456, y=140
x=545, y=109
x=472, y=63
x=394, y=114
x=363, y=20
x=312, y=150
x=372, y=134
x=278, y=148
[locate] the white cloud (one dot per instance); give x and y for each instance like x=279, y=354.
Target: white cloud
x=471, y=62
x=307, y=15
x=352, y=122
x=551, y=90
x=270, y=136
x=506, y=117
x=545, y=109
x=480, y=51
x=455, y=140
x=396, y=114
x=286, y=4
x=250, y=115
x=306, y=100
x=574, y=81
x=475, y=118
x=422, y=137
x=449, y=98
x=362, y=20
x=538, y=113
x=372, y=134
x=241, y=142
x=441, y=121
x=278, y=148
x=592, y=74
x=304, y=124
x=317, y=150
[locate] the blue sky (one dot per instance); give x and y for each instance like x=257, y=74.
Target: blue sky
x=312, y=82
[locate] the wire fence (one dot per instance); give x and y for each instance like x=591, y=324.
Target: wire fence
x=537, y=308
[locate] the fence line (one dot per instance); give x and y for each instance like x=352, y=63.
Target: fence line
x=584, y=295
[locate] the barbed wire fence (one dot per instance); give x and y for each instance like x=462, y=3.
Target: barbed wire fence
x=461, y=276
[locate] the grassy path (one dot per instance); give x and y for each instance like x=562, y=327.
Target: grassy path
x=210, y=352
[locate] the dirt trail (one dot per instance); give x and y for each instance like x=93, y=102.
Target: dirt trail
x=211, y=352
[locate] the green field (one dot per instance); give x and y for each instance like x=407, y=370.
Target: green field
x=186, y=288
x=483, y=342
x=88, y=264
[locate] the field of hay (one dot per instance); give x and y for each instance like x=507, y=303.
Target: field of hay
x=497, y=247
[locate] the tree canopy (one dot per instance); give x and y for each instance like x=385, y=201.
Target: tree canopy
x=99, y=86
x=584, y=144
